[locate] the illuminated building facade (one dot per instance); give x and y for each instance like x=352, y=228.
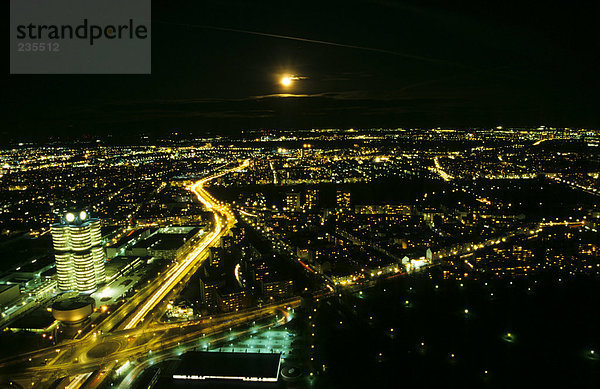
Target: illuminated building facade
x=292, y=201
x=312, y=198
x=78, y=252
x=230, y=301
x=278, y=289
x=261, y=271
x=209, y=291
x=342, y=199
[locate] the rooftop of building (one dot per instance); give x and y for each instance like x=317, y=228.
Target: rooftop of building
x=35, y=265
x=37, y=319
x=72, y=303
x=131, y=235
x=228, y=365
x=4, y=288
x=166, y=239
x=230, y=289
x=16, y=278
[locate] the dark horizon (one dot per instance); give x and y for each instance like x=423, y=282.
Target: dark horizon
x=361, y=64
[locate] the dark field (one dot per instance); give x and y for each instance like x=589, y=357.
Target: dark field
x=434, y=343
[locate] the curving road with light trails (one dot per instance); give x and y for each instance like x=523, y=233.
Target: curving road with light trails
x=132, y=313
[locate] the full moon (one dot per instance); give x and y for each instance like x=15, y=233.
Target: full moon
x=286, y=81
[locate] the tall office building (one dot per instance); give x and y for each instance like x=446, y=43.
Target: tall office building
x=78, y=252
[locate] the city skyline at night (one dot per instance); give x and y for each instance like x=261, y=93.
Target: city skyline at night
x=341, y=194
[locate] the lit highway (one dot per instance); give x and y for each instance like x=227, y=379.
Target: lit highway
x=81, y=357
x=440, y=170
x=72, y=357
x=223, y=221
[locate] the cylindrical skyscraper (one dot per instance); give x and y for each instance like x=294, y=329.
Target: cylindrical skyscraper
x=78, y=252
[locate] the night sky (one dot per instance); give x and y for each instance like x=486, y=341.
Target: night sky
x=416, y=63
